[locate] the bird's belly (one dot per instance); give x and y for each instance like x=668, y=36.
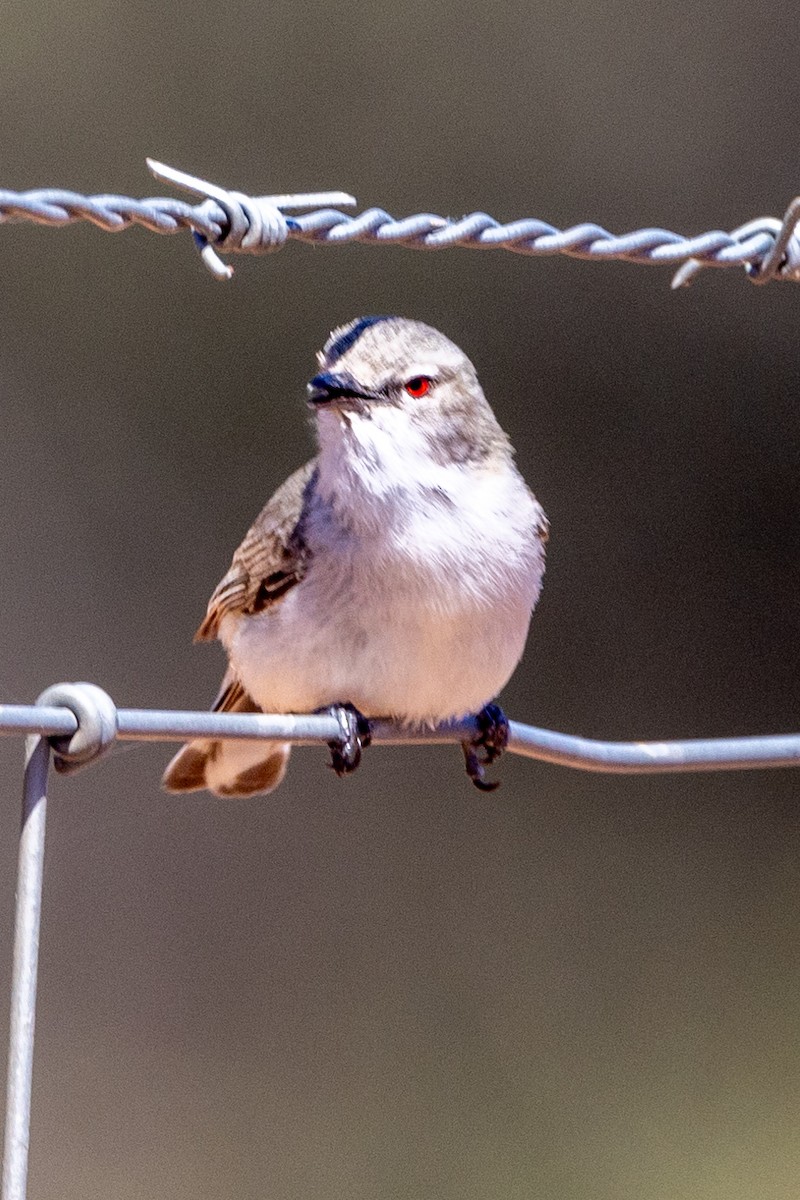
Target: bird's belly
x=391, y=648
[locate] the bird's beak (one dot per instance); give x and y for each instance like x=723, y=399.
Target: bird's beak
x=329, y=388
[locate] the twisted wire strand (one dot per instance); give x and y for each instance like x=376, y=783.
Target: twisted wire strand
x=53, y=207
x=231, y=222
x=427, y=231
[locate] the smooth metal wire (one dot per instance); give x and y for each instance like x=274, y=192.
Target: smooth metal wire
x=79, y=722
x=232, y=222
x=30, y=876
x=530, y=741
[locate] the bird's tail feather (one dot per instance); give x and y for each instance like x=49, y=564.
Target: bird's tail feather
x=228, y=768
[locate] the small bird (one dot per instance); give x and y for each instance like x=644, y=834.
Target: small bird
x=393, y=575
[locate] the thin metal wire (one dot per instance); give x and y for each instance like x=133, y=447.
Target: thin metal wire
x=232, y=222
x=85, y=721
x=530, y=741
x=30, y=874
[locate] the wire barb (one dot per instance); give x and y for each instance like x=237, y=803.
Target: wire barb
x=253, y=225
x=228, y=222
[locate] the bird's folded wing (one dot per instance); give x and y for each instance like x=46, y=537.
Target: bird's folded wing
x=272, y=558
x=232, y=697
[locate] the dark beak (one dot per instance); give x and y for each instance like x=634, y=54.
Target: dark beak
x=328, y=388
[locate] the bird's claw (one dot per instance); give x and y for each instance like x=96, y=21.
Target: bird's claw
x=354, y=736
x=487, y=746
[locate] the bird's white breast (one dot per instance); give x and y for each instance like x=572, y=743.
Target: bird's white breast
x=416, y=602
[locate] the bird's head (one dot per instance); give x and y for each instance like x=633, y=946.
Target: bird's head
x=400, y=384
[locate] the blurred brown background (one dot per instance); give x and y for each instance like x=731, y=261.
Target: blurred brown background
x=580, y=988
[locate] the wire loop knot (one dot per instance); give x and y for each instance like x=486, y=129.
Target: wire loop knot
x=251, y=224
x=783, y=260
x=96, y=714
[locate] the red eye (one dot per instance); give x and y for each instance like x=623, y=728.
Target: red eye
x=420, y=385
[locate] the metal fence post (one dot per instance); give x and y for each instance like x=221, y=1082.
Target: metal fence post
x=30, y=872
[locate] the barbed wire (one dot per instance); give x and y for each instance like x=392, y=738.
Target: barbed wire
x=228, y=222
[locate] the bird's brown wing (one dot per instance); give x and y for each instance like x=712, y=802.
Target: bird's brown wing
x=232, y=697
x=272, y=558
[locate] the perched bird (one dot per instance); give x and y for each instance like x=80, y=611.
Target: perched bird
x=394, y=574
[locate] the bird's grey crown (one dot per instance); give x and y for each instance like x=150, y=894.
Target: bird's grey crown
x=346, y=336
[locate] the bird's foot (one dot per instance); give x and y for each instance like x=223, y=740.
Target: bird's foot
x=354, y=737
x=487, y=746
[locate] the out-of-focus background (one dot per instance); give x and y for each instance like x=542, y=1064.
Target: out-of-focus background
x=580, y=988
